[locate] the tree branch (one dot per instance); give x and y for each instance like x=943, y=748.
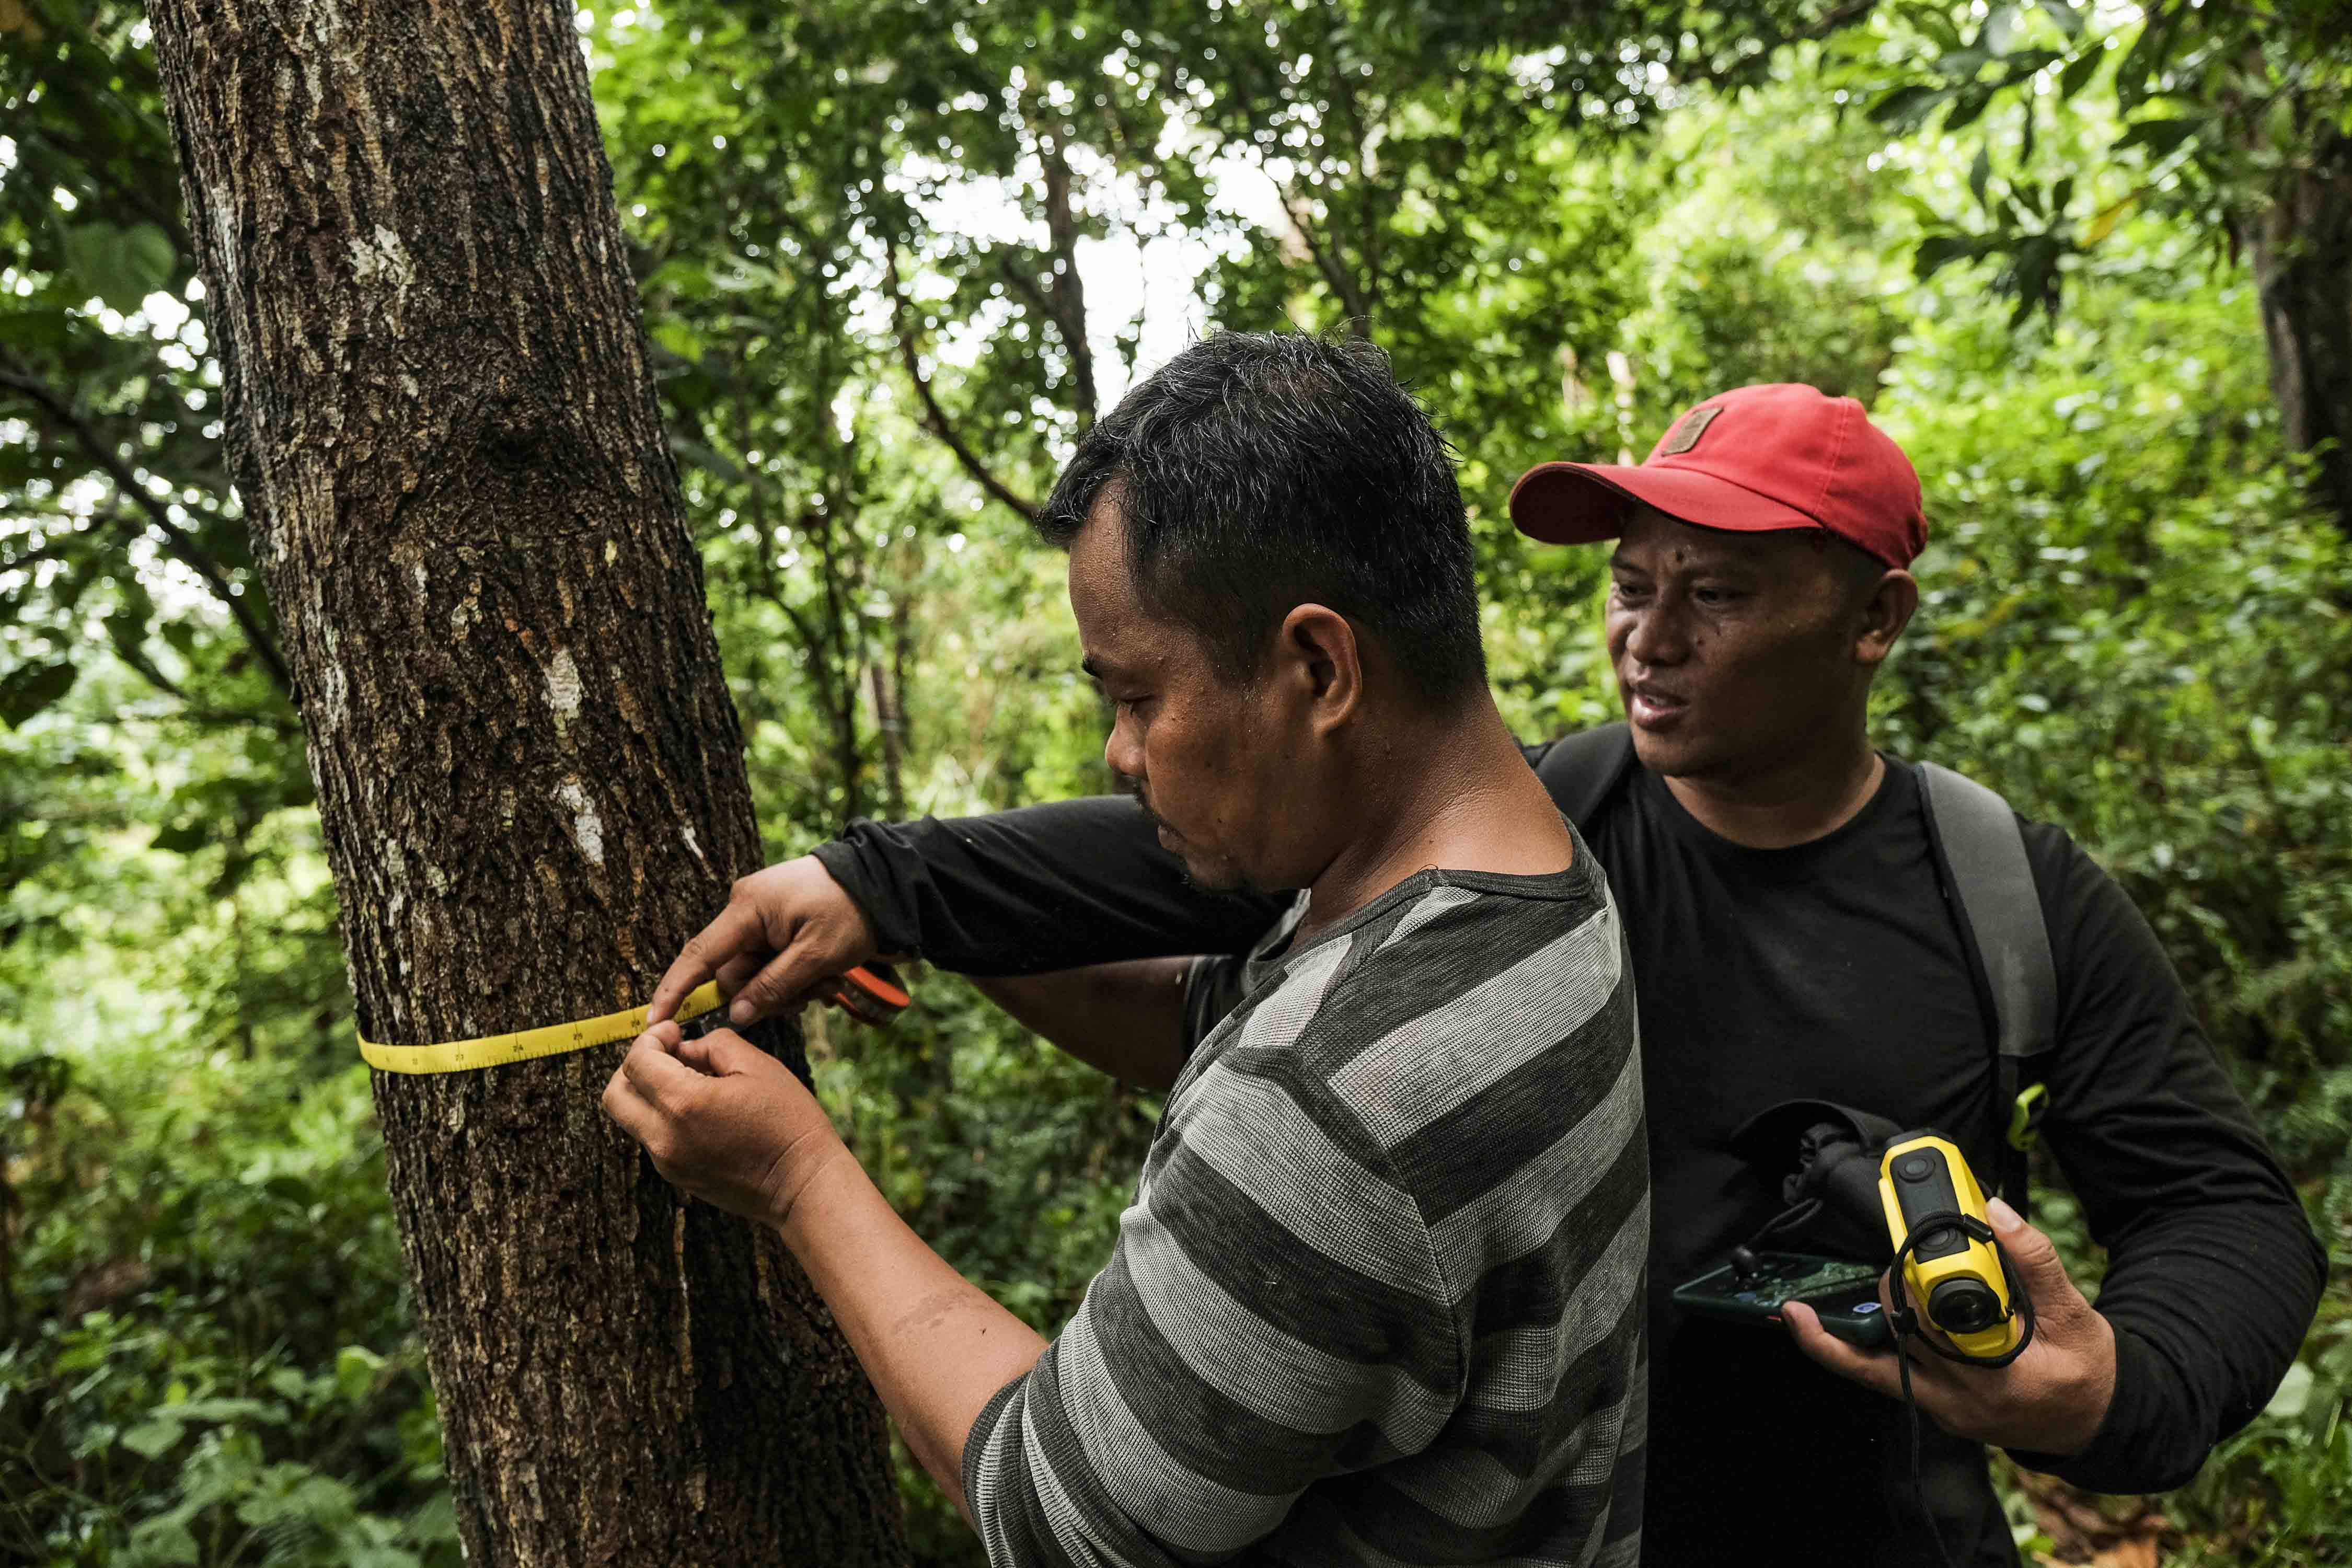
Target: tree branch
x=933, y=414
x=1065, y=289
x=181, y=544
x=1351, y=299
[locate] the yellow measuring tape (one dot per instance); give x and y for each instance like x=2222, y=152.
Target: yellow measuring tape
x=497, y=1051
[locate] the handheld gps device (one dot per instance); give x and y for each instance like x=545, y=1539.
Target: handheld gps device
x=1842, y=1292
x=1952, y=1273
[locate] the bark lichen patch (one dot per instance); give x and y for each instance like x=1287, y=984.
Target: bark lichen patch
x=564, y=690
x=587, y=827
x=383, y=269
x=334, y=689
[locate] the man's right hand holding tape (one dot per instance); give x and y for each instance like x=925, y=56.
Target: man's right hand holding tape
x=789, y=936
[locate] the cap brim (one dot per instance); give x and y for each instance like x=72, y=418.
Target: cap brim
x=1576, y=503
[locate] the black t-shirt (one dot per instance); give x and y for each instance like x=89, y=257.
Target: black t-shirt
x=1833, y=970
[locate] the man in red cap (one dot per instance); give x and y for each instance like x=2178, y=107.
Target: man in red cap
x=1793, y=931
x=1772, y=526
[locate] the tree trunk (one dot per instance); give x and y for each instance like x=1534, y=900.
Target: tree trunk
x=2301, y=250
x=530, y=774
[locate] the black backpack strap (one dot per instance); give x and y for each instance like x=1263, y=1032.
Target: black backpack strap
x=1982, y=855
x=1580, y=770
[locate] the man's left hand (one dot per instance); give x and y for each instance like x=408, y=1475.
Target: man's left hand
x=723, y=1120
x=2050, y=1400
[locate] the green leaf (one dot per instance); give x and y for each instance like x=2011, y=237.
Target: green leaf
x=2063, y=12
x=1979, y=172
x=356, y=1367
x=149, y=1439
x=184, y=837
x=1906, y=105
x=2036, y=267
x=1941, y=250
x=2079, y=72
x=2104, y=224
x=2158, y=136
x=28, y=690
x=1967, y=108
x=121, y=266
x=230, y=1410
x=163, y=1542
x=384, y=1557
x=2148, y=53
x=2293, y=1393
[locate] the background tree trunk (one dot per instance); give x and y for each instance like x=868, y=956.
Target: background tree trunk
x=2300, y=248
x=530, y=774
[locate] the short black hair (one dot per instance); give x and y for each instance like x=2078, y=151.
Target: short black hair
x=1258, y=471
x=1857, y=570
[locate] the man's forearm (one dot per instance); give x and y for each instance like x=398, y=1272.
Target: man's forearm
x=936, y=1347
x=2208, y=1310
x=1126, y=1019
x=1042, y=889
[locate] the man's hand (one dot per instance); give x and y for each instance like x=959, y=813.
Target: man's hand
x=785, y=931
x=2049, y=1400
x=723, y=1120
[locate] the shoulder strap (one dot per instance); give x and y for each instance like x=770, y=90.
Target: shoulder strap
x=1579, y=769
x=1982, y=852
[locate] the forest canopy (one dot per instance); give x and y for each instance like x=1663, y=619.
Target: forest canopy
x=2091, y=264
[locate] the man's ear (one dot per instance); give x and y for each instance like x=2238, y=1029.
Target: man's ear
x=1882, y=614
x=1319, y=662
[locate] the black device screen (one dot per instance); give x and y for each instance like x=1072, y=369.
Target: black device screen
x=1842, y=1292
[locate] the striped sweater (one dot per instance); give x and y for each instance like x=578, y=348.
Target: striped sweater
x=1378, y=1296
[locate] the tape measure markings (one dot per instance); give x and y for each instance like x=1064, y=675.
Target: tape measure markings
x=526, y=1045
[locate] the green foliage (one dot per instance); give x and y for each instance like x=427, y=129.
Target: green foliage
x=2135, y=626
x=2214, y=114
x=211, y=1356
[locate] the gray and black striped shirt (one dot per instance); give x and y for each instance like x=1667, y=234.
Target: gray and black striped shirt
x=1379, y=1298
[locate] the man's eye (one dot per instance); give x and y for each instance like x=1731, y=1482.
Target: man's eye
x=1708, y=593
x=1631, y=590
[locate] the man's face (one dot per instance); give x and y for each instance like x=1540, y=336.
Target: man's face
x=1205, y=758
x=1735, y=654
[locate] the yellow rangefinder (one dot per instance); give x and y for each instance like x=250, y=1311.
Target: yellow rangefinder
x=1951, y=1270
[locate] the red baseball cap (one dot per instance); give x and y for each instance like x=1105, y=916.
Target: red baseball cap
x=1753, y=461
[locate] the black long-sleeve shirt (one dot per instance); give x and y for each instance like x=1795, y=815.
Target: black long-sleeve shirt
x=1830, y=970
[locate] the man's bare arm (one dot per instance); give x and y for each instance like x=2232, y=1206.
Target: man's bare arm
x=731, y=1124
x=1126, y=1019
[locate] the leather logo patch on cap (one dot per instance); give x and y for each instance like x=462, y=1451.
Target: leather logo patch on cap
x=1687, y=434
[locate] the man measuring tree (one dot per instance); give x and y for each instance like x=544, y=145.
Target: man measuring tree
x=1379, y=1293
x=1797, y=914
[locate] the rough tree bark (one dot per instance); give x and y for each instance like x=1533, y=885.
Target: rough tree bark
x=530, y=774
x=2300, y=249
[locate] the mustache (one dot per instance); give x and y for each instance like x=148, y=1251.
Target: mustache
x=1131, y=786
